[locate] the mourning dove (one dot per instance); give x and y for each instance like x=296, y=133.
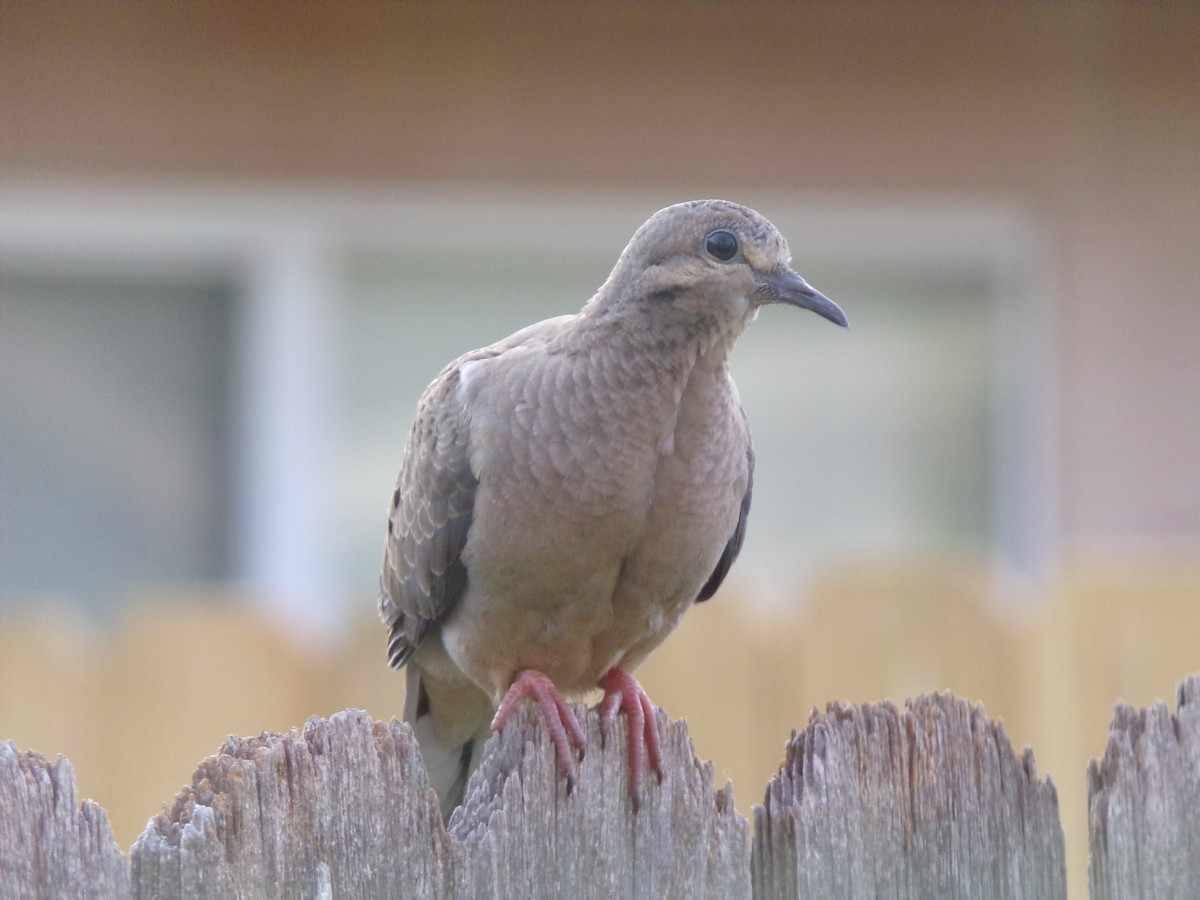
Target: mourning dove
x=567, y=493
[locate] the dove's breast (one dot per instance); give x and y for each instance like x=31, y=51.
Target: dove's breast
x=605, y=499
x=699, y=483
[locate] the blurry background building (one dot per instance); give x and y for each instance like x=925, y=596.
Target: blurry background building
x=237, y=240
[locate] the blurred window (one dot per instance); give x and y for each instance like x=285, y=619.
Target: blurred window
x=114, y=439
x=239, y=414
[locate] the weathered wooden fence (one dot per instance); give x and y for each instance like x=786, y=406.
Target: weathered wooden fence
x=871, y=801
x=136, y=702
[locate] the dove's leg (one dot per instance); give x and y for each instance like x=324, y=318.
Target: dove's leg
x=564, y=727
x=450, y=720
x=622, y=692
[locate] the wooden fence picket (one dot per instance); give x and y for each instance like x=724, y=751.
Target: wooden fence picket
x=1144, y=803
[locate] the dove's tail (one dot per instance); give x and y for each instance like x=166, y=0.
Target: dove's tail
x=452, y=723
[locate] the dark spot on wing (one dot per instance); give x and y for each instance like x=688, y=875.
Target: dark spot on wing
x=734, y=547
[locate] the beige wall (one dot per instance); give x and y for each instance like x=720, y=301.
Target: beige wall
x=1083, y=114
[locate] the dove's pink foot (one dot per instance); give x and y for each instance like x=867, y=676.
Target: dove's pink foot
x=560, y=720
x=622, y=692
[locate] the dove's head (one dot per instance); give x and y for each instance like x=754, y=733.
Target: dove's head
x=707, y=266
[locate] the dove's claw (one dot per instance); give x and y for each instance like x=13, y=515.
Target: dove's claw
x=622, y=692
x=560, y=720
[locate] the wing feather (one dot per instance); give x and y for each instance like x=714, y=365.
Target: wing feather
x=423, y=573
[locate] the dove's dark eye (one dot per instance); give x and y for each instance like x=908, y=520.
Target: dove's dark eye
x=722, y=245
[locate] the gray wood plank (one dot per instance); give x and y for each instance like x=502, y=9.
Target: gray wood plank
x=51, y=846
x=341, y=808
x=527, y=837
x=928, y=802
x=1144, y=803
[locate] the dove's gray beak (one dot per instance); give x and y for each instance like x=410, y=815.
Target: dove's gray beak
x=782, y=285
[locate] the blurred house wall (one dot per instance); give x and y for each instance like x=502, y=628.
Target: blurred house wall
x=1083, y=113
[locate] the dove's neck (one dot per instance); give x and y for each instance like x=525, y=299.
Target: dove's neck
x=658, y=368
x=661, y=329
